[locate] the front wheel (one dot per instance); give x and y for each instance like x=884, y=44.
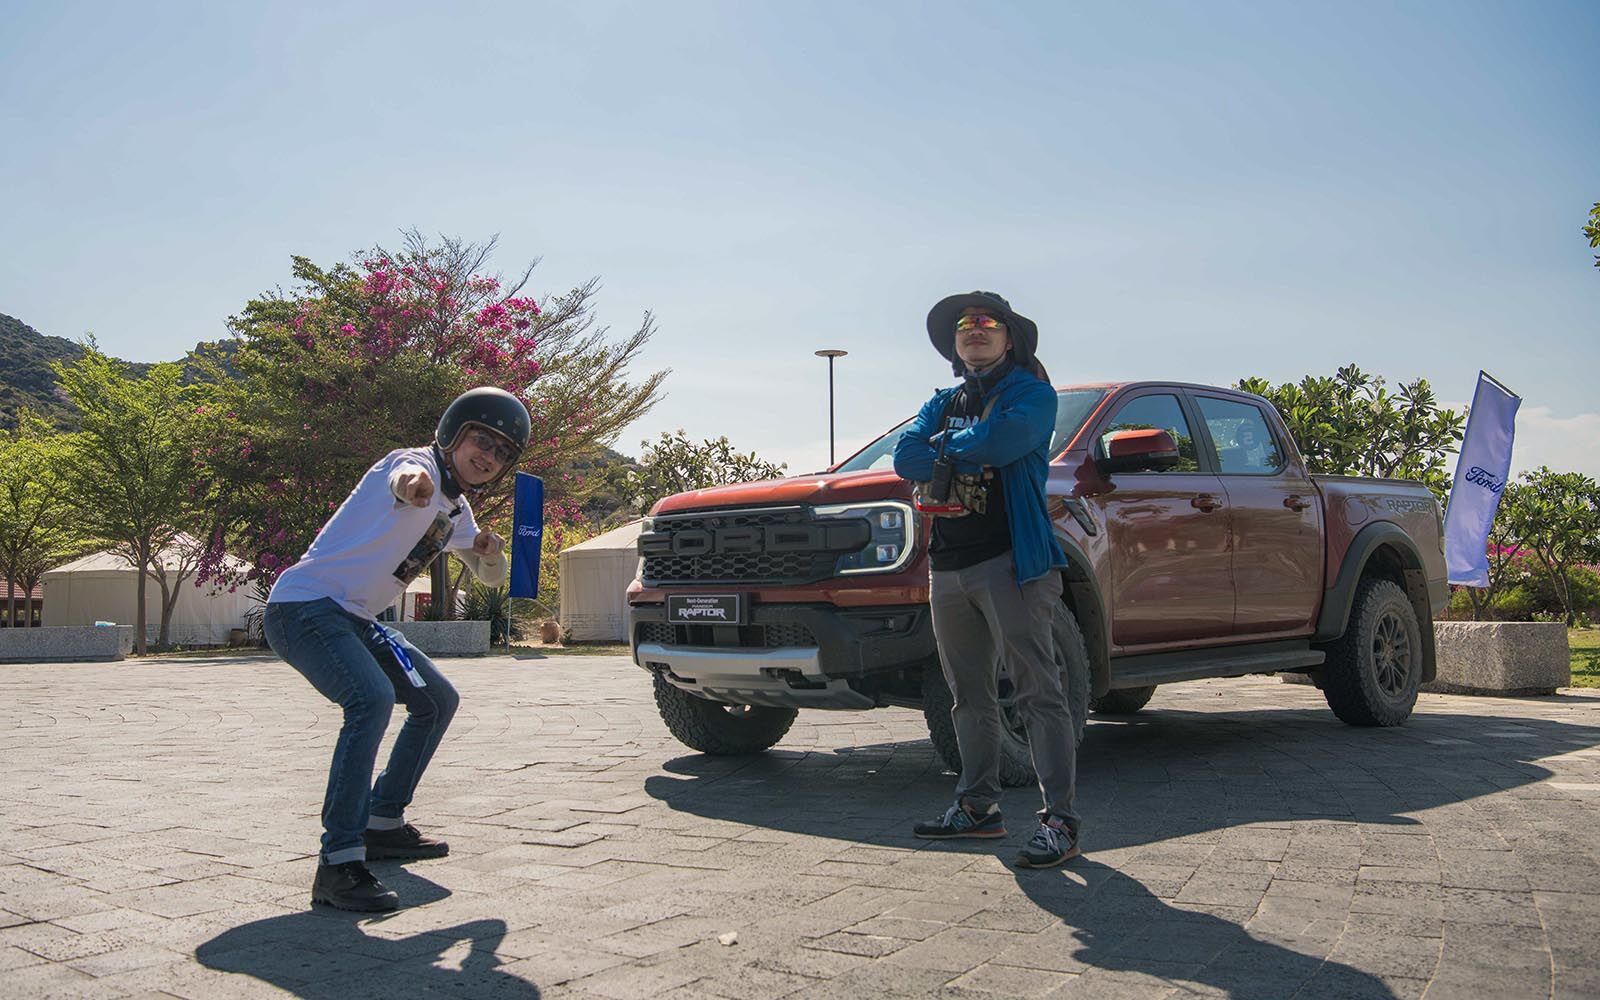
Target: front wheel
x=1373, y=670
x=715, y=728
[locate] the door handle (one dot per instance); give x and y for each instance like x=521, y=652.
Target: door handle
x=1296, y=502
x=1205, y=502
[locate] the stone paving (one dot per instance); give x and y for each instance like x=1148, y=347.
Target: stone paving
x=158, y=825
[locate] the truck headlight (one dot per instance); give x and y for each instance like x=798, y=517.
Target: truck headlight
x=891, y=541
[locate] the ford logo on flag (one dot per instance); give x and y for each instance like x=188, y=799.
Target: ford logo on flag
x=1479, y=476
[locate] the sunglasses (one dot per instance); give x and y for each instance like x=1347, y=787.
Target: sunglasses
x=491, y=445
x=979, y=321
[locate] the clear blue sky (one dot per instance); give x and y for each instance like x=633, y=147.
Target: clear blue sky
x=1191, y=190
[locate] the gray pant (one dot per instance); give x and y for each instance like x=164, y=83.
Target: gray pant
x=980, y=614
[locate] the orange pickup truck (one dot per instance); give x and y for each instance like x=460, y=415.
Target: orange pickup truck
x=1198, y=546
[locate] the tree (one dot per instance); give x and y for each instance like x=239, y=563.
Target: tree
x=176, y=561
x=362, y=358
x=1557, y=516
x=1592, y=231
x=36, y=531
x=675, y=464
x=129, y=473
x=1351, y=425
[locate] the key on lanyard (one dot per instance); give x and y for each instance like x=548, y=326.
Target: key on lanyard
x=401, y=656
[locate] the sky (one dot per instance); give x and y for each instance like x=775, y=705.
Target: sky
x=1192, y=191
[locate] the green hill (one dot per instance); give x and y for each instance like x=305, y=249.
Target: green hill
x=26, y=378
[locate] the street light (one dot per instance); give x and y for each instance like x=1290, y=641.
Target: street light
x=830, y=353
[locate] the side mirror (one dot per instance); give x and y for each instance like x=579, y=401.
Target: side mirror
x=1144, y=450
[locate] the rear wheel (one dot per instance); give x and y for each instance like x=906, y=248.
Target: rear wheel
x=715, y=728
x=1123, y=701
x=1373, y=670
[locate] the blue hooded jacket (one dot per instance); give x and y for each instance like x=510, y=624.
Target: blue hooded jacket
x=1014, y=438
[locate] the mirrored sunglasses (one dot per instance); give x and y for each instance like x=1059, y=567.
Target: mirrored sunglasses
x=979, y=321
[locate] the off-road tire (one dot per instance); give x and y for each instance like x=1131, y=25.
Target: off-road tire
x=1123, y=701
x=1372, y=672
x=1016, y=761
x=714, y=728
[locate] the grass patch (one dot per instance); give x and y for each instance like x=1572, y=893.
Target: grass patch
x=1584, y=644
x=571, y=649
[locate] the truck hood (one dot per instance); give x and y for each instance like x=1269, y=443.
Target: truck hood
x=823, y=488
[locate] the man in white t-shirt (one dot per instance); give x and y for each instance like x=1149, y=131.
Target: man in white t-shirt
x=321, y=617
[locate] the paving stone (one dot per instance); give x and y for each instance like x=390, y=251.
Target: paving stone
x=956, y=950
x=991, y=979
x=1238, y=839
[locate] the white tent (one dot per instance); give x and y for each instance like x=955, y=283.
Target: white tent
x=594, y=584
x=103, y=587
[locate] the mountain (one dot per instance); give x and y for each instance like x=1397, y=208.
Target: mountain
x=25, y=375
x=26, y=378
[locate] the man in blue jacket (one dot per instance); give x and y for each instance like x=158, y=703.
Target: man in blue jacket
x=995, y=580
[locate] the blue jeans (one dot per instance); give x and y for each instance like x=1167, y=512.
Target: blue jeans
x=354, y=664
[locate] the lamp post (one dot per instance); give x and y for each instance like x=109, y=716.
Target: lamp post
x=830, y=353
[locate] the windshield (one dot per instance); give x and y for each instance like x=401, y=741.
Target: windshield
x=1073, y=407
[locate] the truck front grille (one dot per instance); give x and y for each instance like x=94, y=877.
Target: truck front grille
x=780, y=546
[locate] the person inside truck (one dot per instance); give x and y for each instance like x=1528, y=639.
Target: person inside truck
x=1257, y=452
x=321, y=617
x=978, y=451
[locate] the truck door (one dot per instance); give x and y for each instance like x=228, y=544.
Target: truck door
x=1277, y=519
x=1170, y=551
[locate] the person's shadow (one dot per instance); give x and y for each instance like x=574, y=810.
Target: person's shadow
x=1166, y=776
x=1118, y=925
x=323, y=953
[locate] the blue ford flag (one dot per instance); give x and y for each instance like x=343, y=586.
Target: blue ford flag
x=1481, y=472
x=527, y=534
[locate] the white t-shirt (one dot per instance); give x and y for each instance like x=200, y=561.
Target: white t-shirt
x=374, y=544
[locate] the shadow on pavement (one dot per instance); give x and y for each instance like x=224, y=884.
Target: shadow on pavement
x=324, y=953
x=1118, y=925
x=1164, y=775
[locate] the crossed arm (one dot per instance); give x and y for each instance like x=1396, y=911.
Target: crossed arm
x=1007, y=433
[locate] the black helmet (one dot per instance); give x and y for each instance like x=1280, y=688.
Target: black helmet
x=492, y=409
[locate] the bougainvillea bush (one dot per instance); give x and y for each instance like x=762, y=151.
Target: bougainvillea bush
x=361, y=358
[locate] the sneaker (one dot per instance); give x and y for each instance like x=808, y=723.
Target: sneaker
x=958, y=821
x=403, y=843
x=1052, y=844
x=351, y=886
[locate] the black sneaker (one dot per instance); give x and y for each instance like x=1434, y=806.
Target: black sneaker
x=1051, y=845
x=351, y=886
x=959, y=822
x=405, y=843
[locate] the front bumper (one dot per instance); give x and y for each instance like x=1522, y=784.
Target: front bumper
x=797, y=655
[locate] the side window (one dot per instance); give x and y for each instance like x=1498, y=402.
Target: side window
x=1243, y=437
x=1163, y=413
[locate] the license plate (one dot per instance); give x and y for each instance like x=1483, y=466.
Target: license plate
x=705, y=609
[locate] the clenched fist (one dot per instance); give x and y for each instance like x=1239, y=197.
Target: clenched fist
x=414, y=488
x=488, y=544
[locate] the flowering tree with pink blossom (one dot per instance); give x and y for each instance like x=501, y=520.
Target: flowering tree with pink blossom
x=359, y=359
